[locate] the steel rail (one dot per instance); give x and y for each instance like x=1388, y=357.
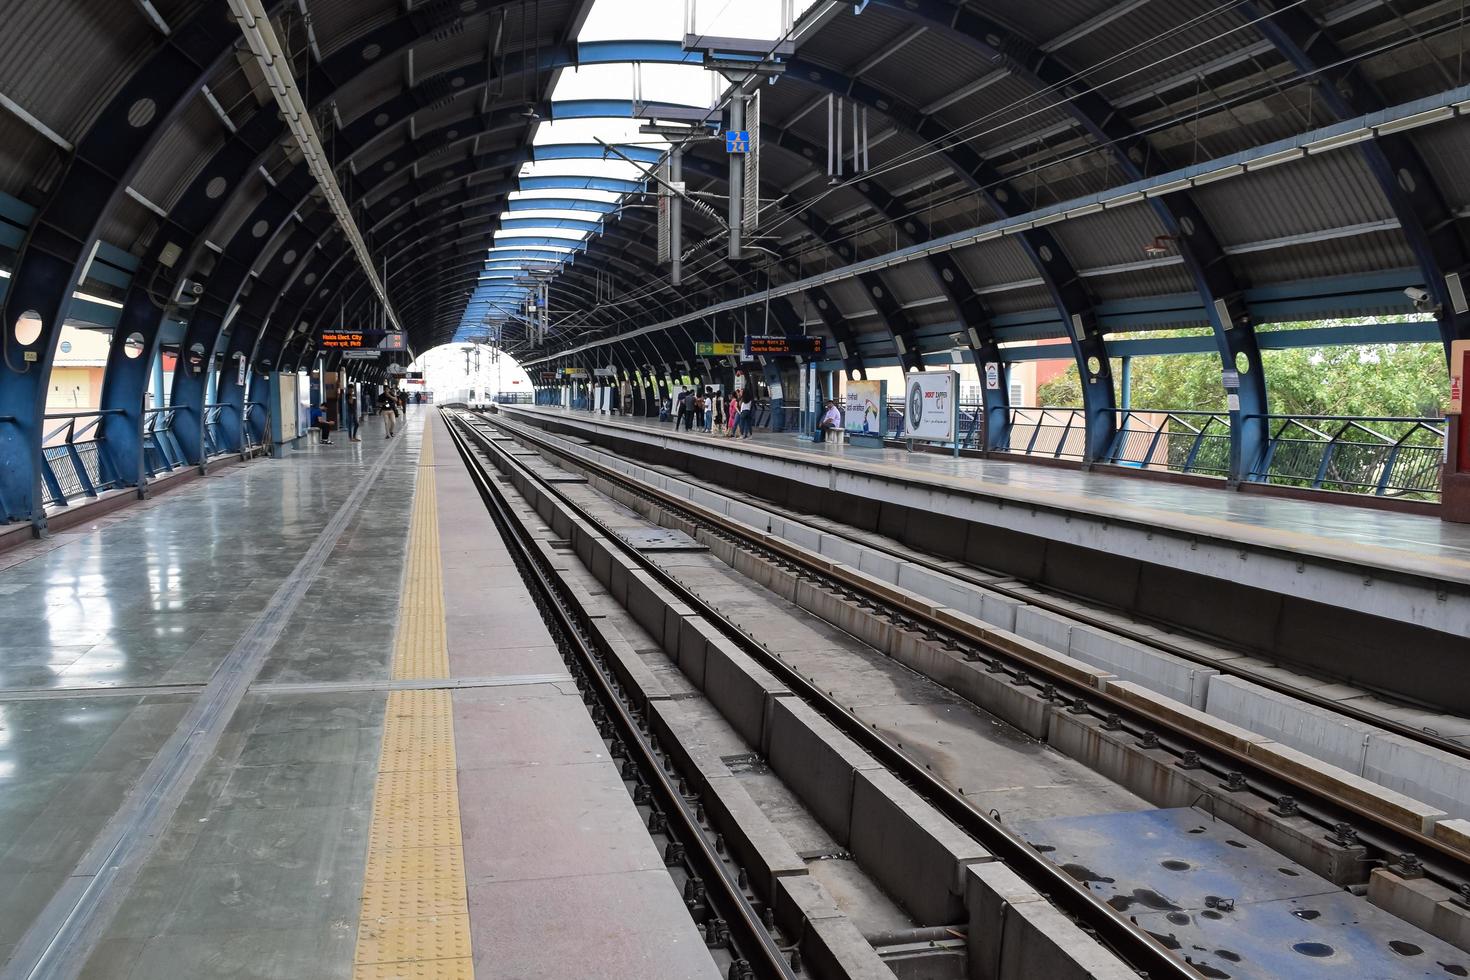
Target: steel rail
x=758, y=950
x=1391, y=838
x=1133, y=944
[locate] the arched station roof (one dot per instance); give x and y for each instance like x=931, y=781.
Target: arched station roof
x=1070, y=169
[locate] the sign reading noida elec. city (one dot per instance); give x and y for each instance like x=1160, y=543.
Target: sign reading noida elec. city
x=773, y=345
x=361, y=340
x=929, y=406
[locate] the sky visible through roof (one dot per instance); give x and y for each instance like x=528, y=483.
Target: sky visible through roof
x=572, y=184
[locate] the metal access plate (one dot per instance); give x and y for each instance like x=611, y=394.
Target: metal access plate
x=1168, y=870
x=659, y=539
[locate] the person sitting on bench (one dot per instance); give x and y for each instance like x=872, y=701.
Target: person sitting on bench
x=320, y=420
x=831, y=419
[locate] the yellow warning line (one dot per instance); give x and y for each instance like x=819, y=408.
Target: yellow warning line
x=415, y=918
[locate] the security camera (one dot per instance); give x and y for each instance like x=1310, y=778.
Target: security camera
x=1422, y=301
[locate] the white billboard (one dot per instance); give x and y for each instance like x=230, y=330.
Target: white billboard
x=929, y=405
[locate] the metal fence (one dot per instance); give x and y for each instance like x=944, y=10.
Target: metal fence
x=162, y=452
x=1176, y=442
x=72, y=463
x=1386, y=457
x=1060, y=433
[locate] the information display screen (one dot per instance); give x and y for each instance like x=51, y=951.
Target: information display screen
x=770, y=345
x=343, y=340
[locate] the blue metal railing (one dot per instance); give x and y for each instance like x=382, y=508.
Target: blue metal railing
x=1176, y=442
x=1060, y=433
x=72, y=463
x=162, y=452
x=1381, y=456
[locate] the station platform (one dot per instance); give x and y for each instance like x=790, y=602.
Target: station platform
x=1313, y=582
x=302, y=719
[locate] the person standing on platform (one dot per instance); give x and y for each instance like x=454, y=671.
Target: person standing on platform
x=352, y=417
x=746, y=418
x=831, y=419
x=733, y=411
x=681, y=408
x=707, y=420
x=388, y=409
x=697, y=409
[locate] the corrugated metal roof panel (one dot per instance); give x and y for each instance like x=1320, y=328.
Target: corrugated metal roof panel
x=1109, y=237
x=62, y=61
x=1319, y=193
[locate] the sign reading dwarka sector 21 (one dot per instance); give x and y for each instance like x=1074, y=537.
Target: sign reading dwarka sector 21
x=772, y=345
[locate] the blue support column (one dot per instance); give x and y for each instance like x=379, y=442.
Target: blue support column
x=772, y=374
x=125, y=390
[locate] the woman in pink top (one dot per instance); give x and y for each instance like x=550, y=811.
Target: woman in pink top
x=734, y=411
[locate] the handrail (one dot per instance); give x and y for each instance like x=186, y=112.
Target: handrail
x=85, y=414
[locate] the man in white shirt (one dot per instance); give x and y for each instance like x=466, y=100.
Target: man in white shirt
x=831, y=419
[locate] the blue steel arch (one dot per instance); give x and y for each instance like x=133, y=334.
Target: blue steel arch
x=58, y=241
x=1069, y=294
x=1429, y=224
x=53, y=256
x=1220, y=291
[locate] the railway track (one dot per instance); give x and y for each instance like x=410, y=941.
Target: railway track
x=737, y=931
x=1342, y=811
x=1039, y=597
x=1138, y=948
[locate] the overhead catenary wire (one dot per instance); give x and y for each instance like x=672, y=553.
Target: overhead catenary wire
x=1083, y=152
x=947, y=139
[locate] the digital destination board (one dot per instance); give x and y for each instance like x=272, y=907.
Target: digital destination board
x=343, y=340
x=771, y=345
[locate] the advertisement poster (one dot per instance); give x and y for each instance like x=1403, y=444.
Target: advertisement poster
x=863, y=410
x=1459, y=361
x=929, y=406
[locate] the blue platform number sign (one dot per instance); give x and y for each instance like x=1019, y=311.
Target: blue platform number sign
x=737, y=142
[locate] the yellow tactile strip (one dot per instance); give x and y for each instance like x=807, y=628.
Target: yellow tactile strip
x=415, y=918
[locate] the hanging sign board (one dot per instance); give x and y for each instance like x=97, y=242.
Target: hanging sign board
x=714, y=350
x=770, y=345
x=929, y=406
x=360, y=355
x=992, y=376
x=342, y=340
x=605, y=372
x=864, y=407
x=393, y=341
